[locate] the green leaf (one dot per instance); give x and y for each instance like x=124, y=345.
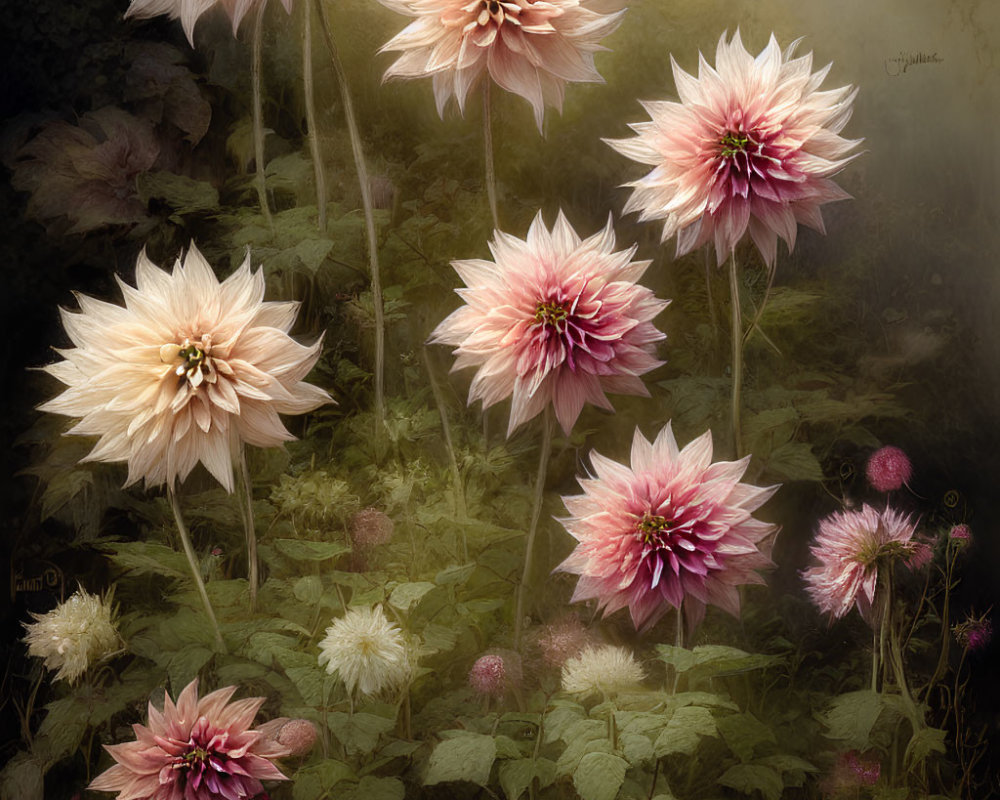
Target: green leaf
x=372, y=788
x=749, y=778
x=62, y=729
x=507, y=747
x=515, y=776
x=308, y=589
x=316, y=781
x=924, y=742
x=313, y=252
x=184, y=664
x=681, y=735
x=439, y=637
x=794, y=461
x=63, y=487
x=407, y=595
x=455, y=574
x=743, y=732
x=468, y=757
x=184, y=195
x=851, y=716
x=304, y=550
x=359, y=732
x=636, y=748
x=784, y=762
x=599, y=776
x=585, y=736
x=139, y=558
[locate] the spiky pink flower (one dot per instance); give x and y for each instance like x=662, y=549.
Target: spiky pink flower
x=529, y=47
x=672, y=529
x=370, y=527
x=488, y=675
x=974, y=633
x=195, y=750
x=960, y=534
x=853, y=547
x=554, y=319
x=189, y=11
x=188, y=369
x=751, y=145
x=888, y=469
x=563, y=639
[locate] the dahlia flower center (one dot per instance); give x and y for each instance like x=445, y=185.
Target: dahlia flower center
x=487, y=11
x=733, y=144
x=552, y=313
x=651, y=527
x=665, y=543
x=874, y=551
x=195, y=361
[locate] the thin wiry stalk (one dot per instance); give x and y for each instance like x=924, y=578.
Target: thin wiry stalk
x=491, y=178
x=536, y=511
x=461, y=510
x=258, y=113
x=366, y=202
x=319, y=173
x=245, y=501
x=737, y=337
x=195, y=571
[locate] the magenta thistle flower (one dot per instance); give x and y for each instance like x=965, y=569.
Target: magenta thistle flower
x=888, y=469
x=554, y=319
x=961, y=535
x=751, y=145
x=195, y=750
x=852, y=548
x=488, y=675
x=529, y=47
x=974, y=633
x=673, y=528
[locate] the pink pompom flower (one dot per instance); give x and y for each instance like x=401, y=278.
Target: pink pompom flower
x=488, y=675
x=888, y=469
x=196, y=750
x=529, y=47
x=751, y=145
x=673, y=528
x=853, y=547
x=553, y=319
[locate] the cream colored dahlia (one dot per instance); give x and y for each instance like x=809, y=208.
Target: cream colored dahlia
x=367, y=651
x=529, y=47
x=189, y=11
x=751, y=145
x=187, y=370
x=73, y=635
x=604, y=670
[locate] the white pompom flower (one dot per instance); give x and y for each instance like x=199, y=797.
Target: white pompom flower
x=367, y=651
x=605, y=670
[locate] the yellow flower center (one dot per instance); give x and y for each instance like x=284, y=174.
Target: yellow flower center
x=551, y=313
x=195, y=363
x=733, y=144
x=650, y=527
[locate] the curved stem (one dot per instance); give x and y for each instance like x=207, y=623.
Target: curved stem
x=536, y=511
x=366, y=202
x=319, y=174
x=737, y=337
x=193, y=564
x=258, y=114
x=245, y=502
x=491, y=178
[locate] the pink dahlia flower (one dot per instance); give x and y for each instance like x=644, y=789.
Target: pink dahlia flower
x=553, y=320
x=529, y=47
x=673, y=528
x=189, y=11
x=751, y=144
x=852, y=547
x=195, y=750
x=888, y=469
x=185, y=372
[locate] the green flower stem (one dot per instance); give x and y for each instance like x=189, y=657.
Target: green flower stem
x=942, y=663
x=737, y=337
x=491, y=178
x=875, y=659
x=543, y=465
x=319, y=174
x=366, y=202
x=195, y=571
x=245, y=502
x=256, y=62
x=461, y=511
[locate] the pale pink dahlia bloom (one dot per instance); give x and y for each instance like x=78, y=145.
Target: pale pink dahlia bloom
x=852, y=548
x=189, y=11
x=673, y=529
x=529, y=47
x=194, y=750
x=185, y=372
x=554, y=319
x=751, y=144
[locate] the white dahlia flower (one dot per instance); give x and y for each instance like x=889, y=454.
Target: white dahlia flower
x=73, y=635
x=604, y=670
x=367, y=651
x=185, y=372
